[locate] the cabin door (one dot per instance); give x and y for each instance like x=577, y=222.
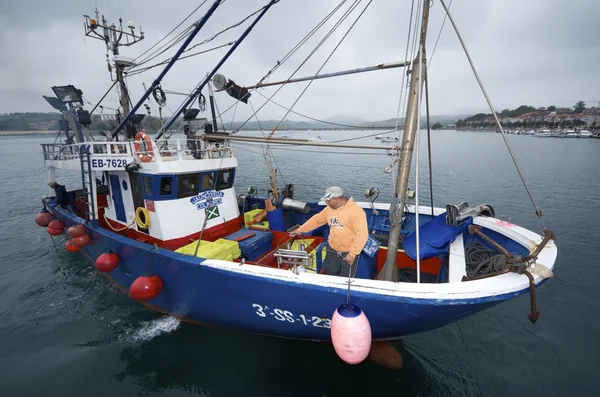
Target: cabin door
x=115, y=190
x=138, y=196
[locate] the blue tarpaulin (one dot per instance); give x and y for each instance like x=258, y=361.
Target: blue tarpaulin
x=434, y=237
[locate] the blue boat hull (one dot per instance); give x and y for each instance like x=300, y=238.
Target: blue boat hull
x=251, y=303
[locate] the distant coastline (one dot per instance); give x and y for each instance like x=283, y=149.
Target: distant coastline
x=44, y=132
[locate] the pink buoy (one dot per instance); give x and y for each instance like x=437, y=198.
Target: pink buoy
x=351, y=333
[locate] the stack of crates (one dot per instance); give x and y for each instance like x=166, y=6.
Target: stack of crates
x=222, y=249
x=249, y=220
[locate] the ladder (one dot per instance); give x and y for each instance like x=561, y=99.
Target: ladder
x=88, y=181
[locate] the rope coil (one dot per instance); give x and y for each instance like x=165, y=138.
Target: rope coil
x=482, y=260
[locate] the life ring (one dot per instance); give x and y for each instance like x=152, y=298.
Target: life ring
x=142, y=224
x=145, y=154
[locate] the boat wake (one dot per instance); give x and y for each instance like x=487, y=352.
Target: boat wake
x=151, y=329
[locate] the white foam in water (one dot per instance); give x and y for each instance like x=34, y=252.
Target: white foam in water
x=151, y=329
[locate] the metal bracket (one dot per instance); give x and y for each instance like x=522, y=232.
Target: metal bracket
x=456, y=214
x=293, y=257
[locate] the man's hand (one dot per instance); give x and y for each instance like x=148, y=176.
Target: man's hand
x=349, y=259
x=295, y=233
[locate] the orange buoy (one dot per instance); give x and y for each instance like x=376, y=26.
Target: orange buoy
x=43, y=218
x=69, y=246
x=385, y=354
x=56, y=227
x=77, y=230
x=81, y=240
x=146, y=287
x=351, y=333
x=107, y=262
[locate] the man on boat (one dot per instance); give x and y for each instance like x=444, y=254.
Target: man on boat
x=62, y=196
x=348, y=231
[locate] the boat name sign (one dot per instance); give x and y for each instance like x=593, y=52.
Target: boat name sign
x=287, y=316
x=207, y=199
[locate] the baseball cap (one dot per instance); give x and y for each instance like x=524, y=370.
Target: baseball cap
x=334, y=191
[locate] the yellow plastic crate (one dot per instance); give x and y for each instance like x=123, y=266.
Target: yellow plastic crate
x=221, y=249
x=249, y=217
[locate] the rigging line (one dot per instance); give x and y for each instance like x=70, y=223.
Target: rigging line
x=429, y=141
x=133, y=72
x=268, y=146
x=204, y=41
x=417, y=34
x=302, y=42
x=320, y=163
x=167, y=46
x=308, y=117
x=324, y=63
x=323, y=40
x=233, y=117
x=291, y=52
x=538, y=212
x=315, y=151
x=438, y=38
x=225, y=30
x=172, y=30
x=405, y=72
x=363, y=136
x=418, y=150
x=220, y=114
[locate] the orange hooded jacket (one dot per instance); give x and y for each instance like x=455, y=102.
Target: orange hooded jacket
x=348, y=230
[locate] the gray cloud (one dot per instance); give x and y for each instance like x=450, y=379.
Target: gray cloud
x=538, y=52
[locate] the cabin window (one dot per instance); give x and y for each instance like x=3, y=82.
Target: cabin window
x=188, y=185
x=148, y=185
x=225, y=179
x=208, y=181
x=166, y=185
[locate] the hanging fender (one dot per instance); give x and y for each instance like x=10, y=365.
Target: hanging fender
x=145, y=154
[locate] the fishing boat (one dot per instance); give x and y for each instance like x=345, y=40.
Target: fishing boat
x=159, y=216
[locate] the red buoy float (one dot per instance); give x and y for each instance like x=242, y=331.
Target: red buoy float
x=77, y=230
x=69, y=246
x=107, y=262
x=56, y=227
x=351, y=333
x=146, y=287
x=43, y=218
x=81, y=241
x=54, y=232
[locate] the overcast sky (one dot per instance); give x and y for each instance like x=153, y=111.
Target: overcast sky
x=536, y=52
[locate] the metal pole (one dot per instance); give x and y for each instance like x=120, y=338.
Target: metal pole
x=381, y=66
x=212, y=109
x=411, y=128
x=103, y=96
x=197, y=91
x=293, y=142
x=155, y=83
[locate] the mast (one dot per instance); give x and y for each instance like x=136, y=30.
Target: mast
x=114, y=37
x=389, y=272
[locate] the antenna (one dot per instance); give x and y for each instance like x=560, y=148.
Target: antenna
x=114, y=37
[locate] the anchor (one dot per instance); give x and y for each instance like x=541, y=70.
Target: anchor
x=534, y=314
